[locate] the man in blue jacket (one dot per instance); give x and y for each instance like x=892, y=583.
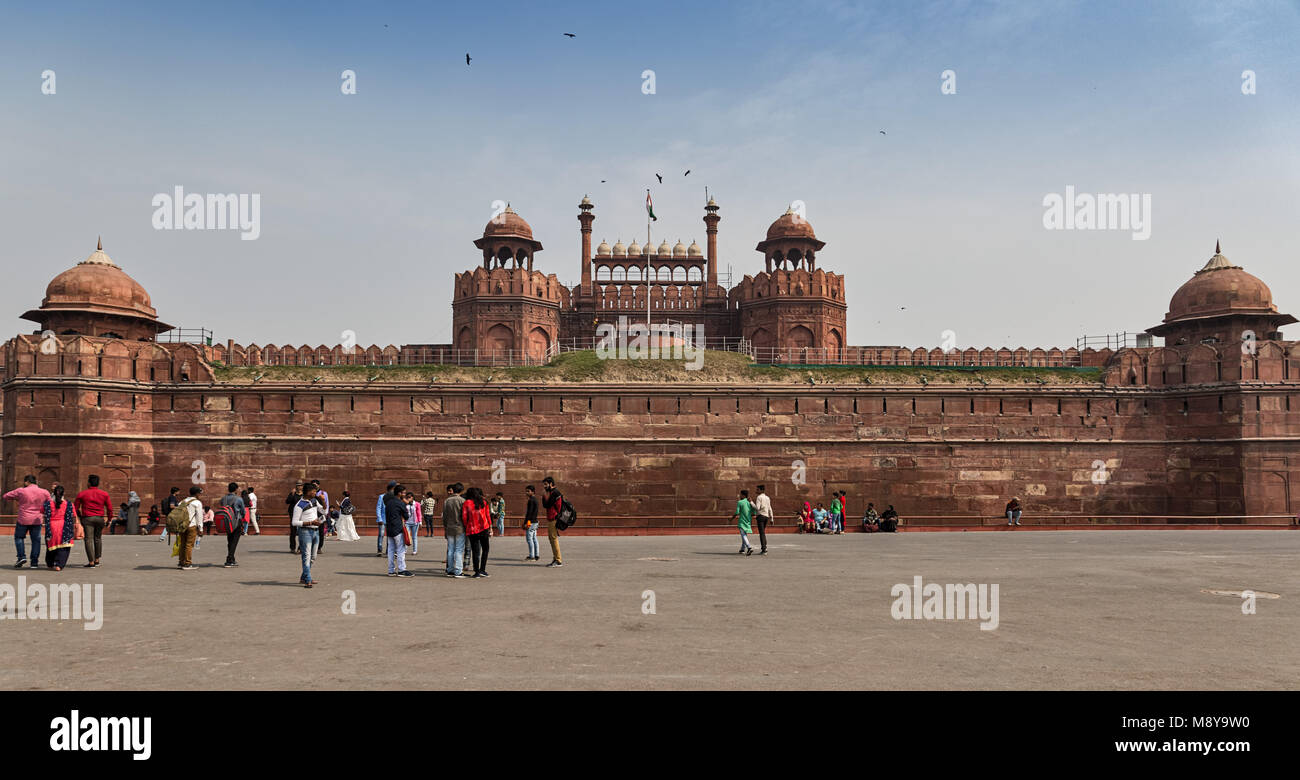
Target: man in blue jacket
x=379, y=518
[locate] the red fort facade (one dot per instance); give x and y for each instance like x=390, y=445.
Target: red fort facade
x=1203, y=429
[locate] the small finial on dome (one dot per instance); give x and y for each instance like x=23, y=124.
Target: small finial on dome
x=1216, y=247
x=99, y=245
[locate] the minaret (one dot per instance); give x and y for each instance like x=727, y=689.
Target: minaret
x=711, y=220
x=586, y=218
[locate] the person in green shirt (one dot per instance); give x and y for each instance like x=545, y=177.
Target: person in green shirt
x=744, y=511
x=837, y=514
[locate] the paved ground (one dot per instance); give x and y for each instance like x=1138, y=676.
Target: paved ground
x=1091, y=609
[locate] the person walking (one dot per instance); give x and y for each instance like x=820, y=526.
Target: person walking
x=233, y=509
x=743, y=515
x=395, y=517
x=291, y=503
x=305, y=522
x=427, y=507
x=762, y=516
x=60, y=530
x=347, y=530
x=530, y=523
x=31, y=499
x=497, y=507
x=454, y=530
x=478, y=528
x=1013, y=511
x=380, y=536
x=250, y=501
x=193, y=531
x=553, y=503
x=93, y=507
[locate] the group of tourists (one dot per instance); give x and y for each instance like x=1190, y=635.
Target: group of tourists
x=810, y=519
x=469, y=519
x=48, y=516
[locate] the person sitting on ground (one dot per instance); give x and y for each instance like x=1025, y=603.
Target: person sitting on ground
x=871, y=520
x=889, y=520
x=821, y=519
x=1013, y=511
x=805, y=522
x=120, y=519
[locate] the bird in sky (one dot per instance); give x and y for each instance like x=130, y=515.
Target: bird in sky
x=466, y=58
x=882, y=132
x=602, y=181
x=660, y=178
x=688, y=172
x=570, y=35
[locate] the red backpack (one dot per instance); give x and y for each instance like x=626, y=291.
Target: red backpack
x=226, y=521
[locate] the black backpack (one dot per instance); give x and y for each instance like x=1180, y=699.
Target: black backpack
x=567, y=516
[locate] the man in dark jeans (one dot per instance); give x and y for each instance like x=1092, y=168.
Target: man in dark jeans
x=763, y=516
x=236, y=529
x=289, y=504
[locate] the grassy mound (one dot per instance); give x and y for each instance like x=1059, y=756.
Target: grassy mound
x=720, y=368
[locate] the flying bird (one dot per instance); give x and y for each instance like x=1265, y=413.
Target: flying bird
x=466, y=58
x=570, y=35
x=602, y=181
x=882, y=132
x=688, y=172
x=660, y=178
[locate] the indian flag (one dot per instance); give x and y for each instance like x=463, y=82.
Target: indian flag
x=650, y=206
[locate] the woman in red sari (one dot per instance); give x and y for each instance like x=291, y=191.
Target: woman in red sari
x=60, y=530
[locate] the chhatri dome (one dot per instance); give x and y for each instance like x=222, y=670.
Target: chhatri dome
x=1219, y=303
x=97, y=298
x=508, y=224
x=790, y=225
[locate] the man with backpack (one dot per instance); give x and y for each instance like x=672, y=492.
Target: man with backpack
x=553, y=502
x=185, y=523
x=230, y=519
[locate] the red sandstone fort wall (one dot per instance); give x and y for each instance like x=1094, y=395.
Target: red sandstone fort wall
x=633, y=452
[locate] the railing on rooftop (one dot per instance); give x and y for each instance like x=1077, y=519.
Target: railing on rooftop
x=1115, y=341
x=890, y=356
x=186, y=336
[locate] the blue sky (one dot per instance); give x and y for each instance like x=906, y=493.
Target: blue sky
x=370, y=202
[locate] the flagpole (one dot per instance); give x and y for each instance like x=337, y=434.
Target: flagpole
x=647, y=268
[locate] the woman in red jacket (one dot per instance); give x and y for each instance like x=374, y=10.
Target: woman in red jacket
x=478, y=528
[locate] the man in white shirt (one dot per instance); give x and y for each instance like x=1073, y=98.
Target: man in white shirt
x=195, y=529
x=252, y=510
x=762, y=514
x=306, y=523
